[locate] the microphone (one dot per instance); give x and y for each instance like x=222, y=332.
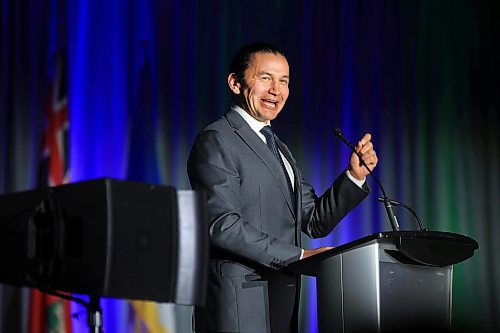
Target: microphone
x=387, y=202
x=397, y=203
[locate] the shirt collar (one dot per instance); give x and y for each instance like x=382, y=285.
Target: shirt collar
x=254, y=124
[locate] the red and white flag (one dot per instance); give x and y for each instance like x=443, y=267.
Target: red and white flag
x=47, y=313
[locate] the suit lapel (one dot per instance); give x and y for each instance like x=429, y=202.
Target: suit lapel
x=244, y=131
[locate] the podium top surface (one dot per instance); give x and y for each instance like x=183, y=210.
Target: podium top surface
x=429, y=248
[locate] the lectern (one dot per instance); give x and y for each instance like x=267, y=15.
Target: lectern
x=387, y=282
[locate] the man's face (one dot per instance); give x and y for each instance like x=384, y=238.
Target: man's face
x=264, y=90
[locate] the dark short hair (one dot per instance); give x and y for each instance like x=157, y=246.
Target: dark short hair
x=242, y=57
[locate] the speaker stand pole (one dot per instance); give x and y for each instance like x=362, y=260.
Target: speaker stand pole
x=94, y=315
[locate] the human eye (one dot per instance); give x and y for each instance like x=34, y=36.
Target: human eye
x=265, y=77
x=284, y=81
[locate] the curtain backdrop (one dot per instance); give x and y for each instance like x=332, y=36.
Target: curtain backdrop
x=146, y=75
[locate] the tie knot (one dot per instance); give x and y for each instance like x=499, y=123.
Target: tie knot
x=267, y=131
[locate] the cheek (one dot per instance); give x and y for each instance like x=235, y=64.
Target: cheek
x=250, y=95
x=285, y=92
x=259, y=90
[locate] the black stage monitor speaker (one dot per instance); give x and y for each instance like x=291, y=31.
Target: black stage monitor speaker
x=107, y=238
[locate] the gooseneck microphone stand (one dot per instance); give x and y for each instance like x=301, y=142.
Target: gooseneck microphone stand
x=388, y=203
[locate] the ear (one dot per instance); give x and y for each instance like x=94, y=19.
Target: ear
x=233, y=84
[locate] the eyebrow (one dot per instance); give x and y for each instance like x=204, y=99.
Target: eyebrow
x=287, y=76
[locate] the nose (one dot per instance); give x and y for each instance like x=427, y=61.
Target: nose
x=274, y=89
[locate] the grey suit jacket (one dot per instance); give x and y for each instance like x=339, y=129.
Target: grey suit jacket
x=254, y=229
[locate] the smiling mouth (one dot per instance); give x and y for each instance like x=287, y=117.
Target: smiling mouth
x=270, y=103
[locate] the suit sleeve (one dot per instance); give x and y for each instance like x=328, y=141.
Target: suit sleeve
x=212, y=168
x=321, y=214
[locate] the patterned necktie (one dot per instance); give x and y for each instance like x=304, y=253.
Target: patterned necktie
x=271, y=143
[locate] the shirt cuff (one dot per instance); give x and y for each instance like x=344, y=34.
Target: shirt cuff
x=360, y=183
x=301, y=254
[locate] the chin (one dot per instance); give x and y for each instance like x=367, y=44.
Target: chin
x=272, y=116
x=266, y=118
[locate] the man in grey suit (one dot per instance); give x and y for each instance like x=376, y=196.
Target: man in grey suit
x=258, y=202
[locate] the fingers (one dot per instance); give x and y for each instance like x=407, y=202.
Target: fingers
x=370, y=158
x=365, y=146
x=365, y=142
x=365, y=139
x=311, y=252
x=367, y=152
